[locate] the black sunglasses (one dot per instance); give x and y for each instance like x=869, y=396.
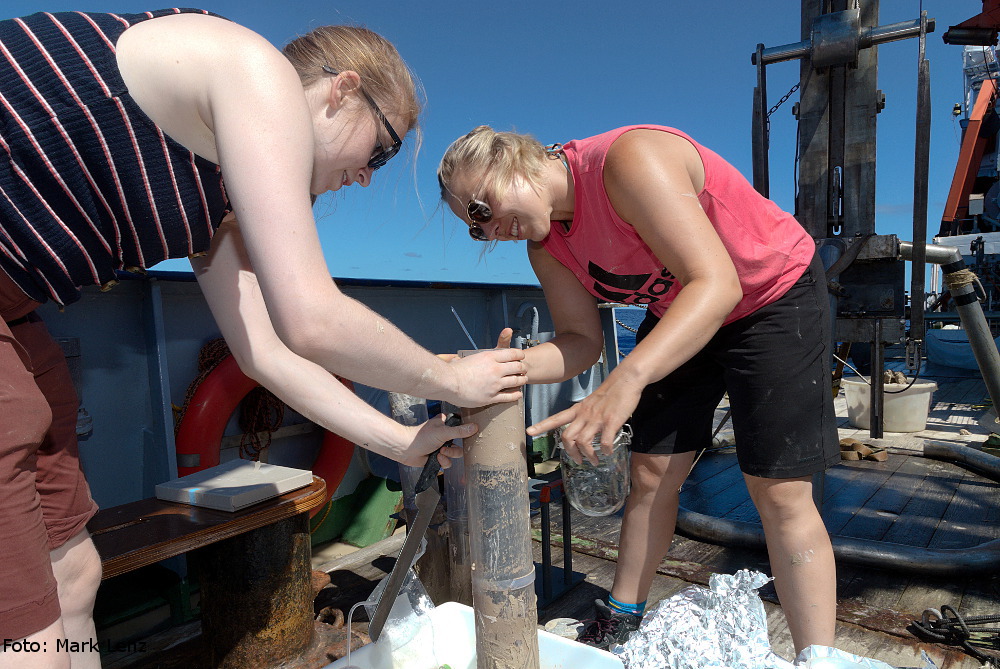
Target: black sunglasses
x=480, y=214
x=380, y=156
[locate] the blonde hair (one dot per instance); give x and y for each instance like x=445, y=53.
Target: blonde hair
x=384, y=74
x=499, y=157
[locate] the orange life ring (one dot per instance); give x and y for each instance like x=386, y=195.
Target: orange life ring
x=199, y=434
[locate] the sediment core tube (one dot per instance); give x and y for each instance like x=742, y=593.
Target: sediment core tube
x=503, y=573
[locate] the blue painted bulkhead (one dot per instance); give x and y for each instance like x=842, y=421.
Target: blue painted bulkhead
x=138, y=351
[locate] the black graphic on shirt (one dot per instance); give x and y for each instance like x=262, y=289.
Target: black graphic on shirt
x=640, y=289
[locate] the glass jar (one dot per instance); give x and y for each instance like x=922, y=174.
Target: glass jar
x=601, y=489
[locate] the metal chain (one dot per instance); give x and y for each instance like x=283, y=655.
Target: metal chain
x=782, y=100
x=626, y=327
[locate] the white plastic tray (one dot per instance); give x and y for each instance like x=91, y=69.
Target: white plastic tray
x=454, y=643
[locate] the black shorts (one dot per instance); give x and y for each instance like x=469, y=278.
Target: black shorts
x=775, y=365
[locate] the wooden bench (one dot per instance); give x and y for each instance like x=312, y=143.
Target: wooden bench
x=254, y=567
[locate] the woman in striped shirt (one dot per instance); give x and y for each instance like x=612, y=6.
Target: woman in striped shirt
x=130, y=139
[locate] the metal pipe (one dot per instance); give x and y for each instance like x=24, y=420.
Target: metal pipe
x=893, y=32
x=849, y=550
x=546, y=550
x=503, y=573
x=970, y=312
x=870, y=37
x=868, y=553
x=778, y=54
x=936, y=254
x=972, y=458
x=567, y=542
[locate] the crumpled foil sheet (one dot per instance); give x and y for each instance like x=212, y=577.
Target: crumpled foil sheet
x=724, y=625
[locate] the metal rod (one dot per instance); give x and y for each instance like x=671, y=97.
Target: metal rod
x=464, y=329
x=870, y=37
x=878, y=385
x=759, y=130
x=896, y=31
x=937, y=254
x=567, y=541
x=546, y=519
x=778, y=54
x=920, y=185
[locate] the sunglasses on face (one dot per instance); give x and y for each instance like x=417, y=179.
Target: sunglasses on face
x=480, y=214
x=380, y=155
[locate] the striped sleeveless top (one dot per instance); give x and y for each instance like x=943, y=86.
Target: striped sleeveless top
x=88, y=183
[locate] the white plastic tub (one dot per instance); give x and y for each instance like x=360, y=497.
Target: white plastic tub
x=454, y=644
x=904, y=412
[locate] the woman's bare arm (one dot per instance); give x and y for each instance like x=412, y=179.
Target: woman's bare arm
x=232, y=292
x=579, y=337
x=653, y=180
x=249, y=102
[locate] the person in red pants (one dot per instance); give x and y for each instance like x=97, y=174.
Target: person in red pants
x=128, y=139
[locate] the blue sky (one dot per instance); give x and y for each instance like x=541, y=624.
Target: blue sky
x=566, y=70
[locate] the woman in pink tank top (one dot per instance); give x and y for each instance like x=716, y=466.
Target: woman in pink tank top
x=737, y=304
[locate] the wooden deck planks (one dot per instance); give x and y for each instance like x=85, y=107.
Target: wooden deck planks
x=883, y=508
x=719, y=493
x=842, y=506
x=928, y=504
x=971, y=518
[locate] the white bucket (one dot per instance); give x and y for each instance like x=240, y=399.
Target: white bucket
x=454, y=644
x=903, y=411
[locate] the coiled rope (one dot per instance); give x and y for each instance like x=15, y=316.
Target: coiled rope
x=261, y=413
x=963, y=278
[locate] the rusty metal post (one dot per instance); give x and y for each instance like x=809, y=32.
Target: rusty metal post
x=256, y=596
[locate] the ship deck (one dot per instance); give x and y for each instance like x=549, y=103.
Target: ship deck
x=908, y=499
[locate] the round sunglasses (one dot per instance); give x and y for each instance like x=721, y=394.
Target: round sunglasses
x=480, y=214
x=380, y=155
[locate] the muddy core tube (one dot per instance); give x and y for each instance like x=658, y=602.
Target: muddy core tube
x=503, y=573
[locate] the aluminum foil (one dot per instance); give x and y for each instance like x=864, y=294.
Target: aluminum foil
x=724, y=625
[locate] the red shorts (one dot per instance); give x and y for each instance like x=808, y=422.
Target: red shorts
x=44, y=498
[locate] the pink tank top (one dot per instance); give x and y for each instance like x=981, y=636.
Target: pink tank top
x=767, y=245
